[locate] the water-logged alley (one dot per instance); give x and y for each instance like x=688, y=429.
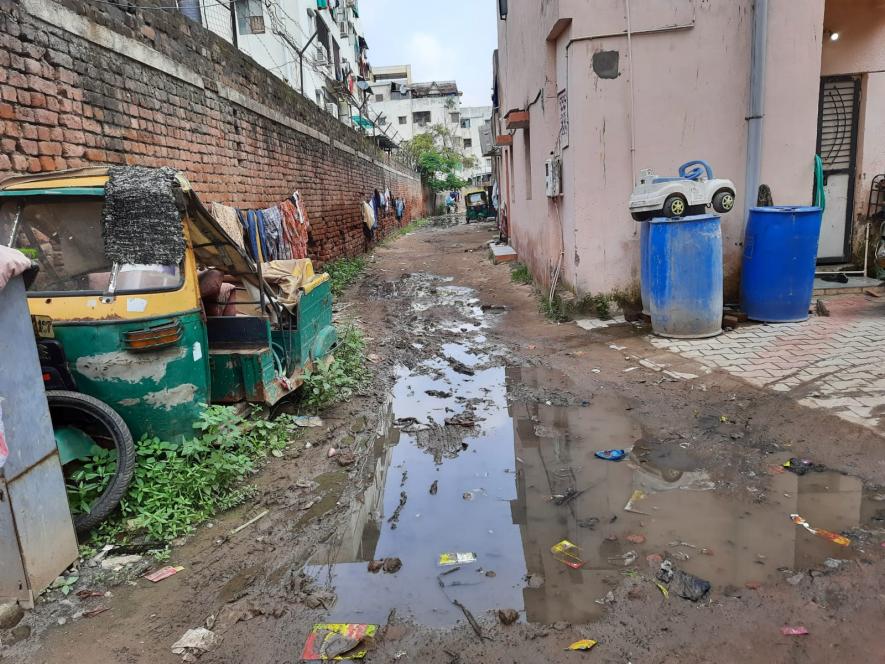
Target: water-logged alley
x=474, y=455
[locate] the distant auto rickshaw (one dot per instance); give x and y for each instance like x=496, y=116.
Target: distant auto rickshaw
x=477, y=204
x=133, y=349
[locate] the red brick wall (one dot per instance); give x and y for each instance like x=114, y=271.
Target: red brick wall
x=67, y=102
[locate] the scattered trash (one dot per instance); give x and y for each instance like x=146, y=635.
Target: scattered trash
x=434, y=487
x=307, y=421
x=636, y=539
x=568, y=554
x=611, y=455
x=394, y=518
x=682, y=583
x=399, y=654
x=456, y=558
x=375, y=566
x=337, y=641
x=162, y=573
x=820, y=532
x=594, y=370
x=195, y=642
x=438, y=393
x=753, y=585
x=635, y=497
x=589, y=523
x=374, y=358
x=332, y=452
x=91, y=613
x=664, y=590
x=567, y=497
x=470, y=619
x=583, y=644
x=794, y=631
x=616, y=347
x=255, y=518
x=86, y=594
x=802, y=466
x=508, y=616
x=626, y=559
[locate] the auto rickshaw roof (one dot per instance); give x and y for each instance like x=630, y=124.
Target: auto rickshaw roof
x=211, y=243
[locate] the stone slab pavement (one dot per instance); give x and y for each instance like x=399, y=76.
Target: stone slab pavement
x=835, y=362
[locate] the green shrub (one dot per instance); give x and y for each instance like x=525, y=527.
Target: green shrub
x=344, y=271
x=520, y=274
x=177, y=486
x=337, y=380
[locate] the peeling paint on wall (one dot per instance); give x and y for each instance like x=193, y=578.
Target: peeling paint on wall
x=128, y=367
x=171, y=396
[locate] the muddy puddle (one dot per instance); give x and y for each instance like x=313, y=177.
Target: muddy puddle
x=498, y=462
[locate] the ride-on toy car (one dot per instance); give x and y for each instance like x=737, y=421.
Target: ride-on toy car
x=691, y=192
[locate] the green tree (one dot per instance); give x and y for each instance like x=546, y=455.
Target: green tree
x=438, y=157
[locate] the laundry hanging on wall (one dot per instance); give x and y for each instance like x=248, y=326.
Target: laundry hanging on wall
x=279, y=232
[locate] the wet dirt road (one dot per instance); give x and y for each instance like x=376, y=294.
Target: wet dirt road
x=477, y=438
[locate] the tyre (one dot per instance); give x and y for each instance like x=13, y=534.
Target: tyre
x=641, y=216
x=106, y=429
x=723, y=201
x=675, y=206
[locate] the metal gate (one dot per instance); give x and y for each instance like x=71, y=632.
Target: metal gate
x=837, y=145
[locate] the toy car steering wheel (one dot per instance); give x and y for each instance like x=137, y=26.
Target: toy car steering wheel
x=693, y=170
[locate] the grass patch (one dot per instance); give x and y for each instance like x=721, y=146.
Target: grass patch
x=519, y=274
x=177, y=486
x=552, y=308
x=337, y=380
x=411, y=227
x=602, y=306
x=344, y=271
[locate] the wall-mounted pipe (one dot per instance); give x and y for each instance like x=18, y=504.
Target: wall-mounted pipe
x=756, y=111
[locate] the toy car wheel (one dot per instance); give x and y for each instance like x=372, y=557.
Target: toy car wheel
x=723, y=201
x=675, y=206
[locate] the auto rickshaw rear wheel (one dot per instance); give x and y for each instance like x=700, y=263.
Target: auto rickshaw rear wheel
x=84, y=420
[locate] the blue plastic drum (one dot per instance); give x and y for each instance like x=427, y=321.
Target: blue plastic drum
x=685, y=276
x=780, y=253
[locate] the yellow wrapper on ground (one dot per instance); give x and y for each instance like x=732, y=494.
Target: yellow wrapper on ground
x=584, y=644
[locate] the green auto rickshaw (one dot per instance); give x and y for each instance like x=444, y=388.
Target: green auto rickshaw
x=131, y=343
x=477, y=204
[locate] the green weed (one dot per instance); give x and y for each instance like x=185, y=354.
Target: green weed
x=411, y=227
x=337, y=380
x=520, y=274
x=552, y=308
x=177, y=486
x=602, y=305
x=344, y=271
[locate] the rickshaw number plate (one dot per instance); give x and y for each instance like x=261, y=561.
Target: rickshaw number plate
x=43, y=327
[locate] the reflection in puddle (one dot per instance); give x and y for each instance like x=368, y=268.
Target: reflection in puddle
x=534, y=440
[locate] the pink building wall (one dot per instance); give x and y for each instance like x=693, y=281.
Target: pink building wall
x=861, y=50
x=690, y=71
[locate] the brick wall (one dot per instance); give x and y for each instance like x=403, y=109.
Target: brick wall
x=101, y=83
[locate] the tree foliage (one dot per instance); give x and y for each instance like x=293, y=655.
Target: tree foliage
x=438, y=158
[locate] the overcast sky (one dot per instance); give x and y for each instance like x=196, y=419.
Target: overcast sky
x=441, y=39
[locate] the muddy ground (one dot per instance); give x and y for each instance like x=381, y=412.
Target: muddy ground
x=477, y=437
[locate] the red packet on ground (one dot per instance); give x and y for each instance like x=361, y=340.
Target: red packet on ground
x=338, y=641
x=163, y=573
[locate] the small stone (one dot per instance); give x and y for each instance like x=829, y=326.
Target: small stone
x=491, y=574
x=345, y=458
x=392, y=565
x=10, y=615
x=19, y=633
x=796, y=579
x=636, y=539
x=508, y=616
x=375, y=566
x=832, y=563
x=561, y=626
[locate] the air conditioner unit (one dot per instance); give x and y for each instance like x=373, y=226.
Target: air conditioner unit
x=553, y=177
x=332, y=109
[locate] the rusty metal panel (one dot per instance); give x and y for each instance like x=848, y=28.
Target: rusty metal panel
x=43, y=521
x=13, y=582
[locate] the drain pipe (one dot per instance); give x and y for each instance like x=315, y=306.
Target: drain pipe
x=757, y=109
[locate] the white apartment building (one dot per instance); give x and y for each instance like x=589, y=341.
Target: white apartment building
x=471, y=122
x=274, y=32
x=404, y=109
